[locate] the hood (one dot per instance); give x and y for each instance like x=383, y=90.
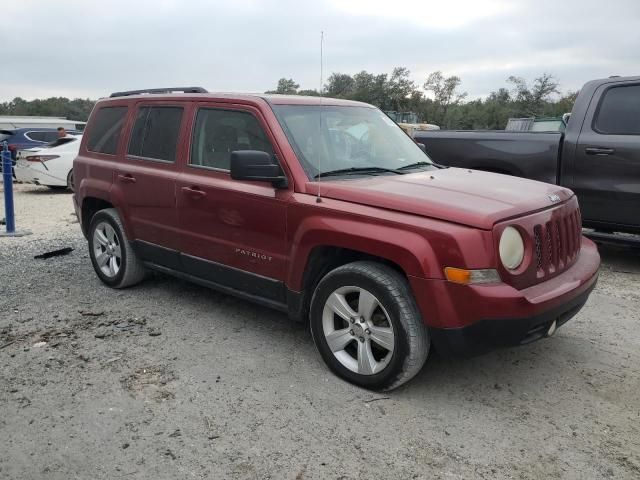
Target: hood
x=468, y=197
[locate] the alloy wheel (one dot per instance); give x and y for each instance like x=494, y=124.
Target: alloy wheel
x=358, y=330
x=107, y=250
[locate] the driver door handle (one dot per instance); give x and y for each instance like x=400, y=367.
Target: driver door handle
x=599, y=151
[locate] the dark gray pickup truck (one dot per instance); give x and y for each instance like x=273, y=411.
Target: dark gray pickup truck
x=598, y=156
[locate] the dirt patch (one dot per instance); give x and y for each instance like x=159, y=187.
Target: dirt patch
x=150, y=383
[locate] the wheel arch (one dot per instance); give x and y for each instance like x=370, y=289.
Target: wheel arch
x=90, y=206
x=93, y=204
x=96, y=192
x=317, y=252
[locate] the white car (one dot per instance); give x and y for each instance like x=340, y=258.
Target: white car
x=51, y=165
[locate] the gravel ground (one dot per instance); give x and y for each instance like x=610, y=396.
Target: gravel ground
x=171, y=380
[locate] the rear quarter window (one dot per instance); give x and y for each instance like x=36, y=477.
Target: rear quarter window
x=105, y=130
x=619, y=111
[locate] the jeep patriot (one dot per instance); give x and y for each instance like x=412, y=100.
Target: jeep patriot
x=325, y=209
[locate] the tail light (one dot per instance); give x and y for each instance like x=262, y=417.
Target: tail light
x=41, y=158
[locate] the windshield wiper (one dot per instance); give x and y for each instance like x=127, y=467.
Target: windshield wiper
x=419, y=164
x=356, y=170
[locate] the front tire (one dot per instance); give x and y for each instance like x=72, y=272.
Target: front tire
x=367, y=326
x=113, y=259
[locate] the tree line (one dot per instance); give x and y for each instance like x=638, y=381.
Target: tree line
x=441, y=100
x=76, y=109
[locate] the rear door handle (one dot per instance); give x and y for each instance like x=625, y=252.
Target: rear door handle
x=599, y=151
x=194, y=192
x=127, y=178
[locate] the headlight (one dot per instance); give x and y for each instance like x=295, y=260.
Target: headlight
x=511, y=248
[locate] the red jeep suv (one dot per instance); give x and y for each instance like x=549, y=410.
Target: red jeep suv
x=325, y=209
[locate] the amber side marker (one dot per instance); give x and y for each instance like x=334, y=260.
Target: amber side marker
x=458, y=275
x=468, y=277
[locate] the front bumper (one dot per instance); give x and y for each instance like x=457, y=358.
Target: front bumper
x=472, y=319
x=486, y=335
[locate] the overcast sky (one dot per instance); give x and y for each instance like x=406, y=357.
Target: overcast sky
x=90, y=49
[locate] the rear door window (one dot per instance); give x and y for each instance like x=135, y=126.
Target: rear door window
x=106, y=129
x=155, y=133
x=60, y=141
x=219, y=132
x=50, y=136
x=36, y=136
x=619, y=111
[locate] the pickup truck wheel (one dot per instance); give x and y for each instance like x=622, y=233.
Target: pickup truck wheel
x=113, y=259
x=367, y=326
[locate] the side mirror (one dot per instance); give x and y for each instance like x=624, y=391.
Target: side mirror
x=422, y=147
x=257, y=166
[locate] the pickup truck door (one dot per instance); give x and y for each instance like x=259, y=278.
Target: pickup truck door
x=233, y=232
x=606, y=169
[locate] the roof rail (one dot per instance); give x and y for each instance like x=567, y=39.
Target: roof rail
x=159, y=90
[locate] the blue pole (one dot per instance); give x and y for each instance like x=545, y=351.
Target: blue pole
x=7, y=178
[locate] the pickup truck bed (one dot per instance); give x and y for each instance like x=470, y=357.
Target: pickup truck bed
x=531, y=155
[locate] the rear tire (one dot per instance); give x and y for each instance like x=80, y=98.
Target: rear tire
x=367, y=326
x=113, y=259
x=70, y=180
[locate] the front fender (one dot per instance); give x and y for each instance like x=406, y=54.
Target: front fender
x=409, y=250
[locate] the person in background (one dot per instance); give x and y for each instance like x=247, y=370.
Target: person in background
x=62, y=132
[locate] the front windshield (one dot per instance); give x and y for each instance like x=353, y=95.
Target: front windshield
x=330, y=138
